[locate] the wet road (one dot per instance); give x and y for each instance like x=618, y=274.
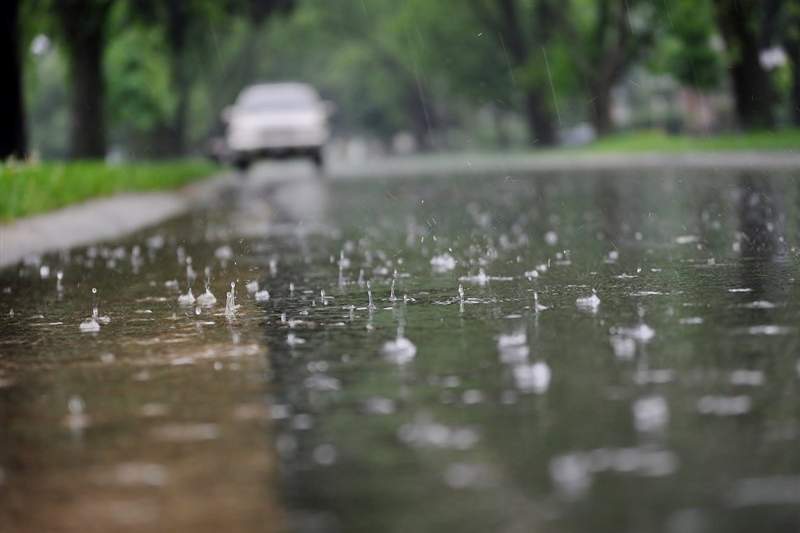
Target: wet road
x=667, y=403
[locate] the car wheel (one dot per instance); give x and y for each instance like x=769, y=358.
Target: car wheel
x=241, y=164
x=318, y=160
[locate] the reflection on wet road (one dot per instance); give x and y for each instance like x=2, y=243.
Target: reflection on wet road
x=595, y=352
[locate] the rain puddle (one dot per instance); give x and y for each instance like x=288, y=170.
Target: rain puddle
x=560, y=353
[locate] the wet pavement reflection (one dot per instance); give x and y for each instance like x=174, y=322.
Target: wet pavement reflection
x=573, y=352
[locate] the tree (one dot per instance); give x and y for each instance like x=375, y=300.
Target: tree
x=782, y=27
x=83, y=25
x=740, y=23
x=371, y=56
x=526, y=30
x=12, y=133
x=184, y=24
x=614, y=35
x=685, y=49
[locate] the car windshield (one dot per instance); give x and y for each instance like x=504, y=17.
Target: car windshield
x=275, y=100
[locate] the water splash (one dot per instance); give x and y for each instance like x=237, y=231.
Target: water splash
x=262, y=295
x=533, y=378
x=230, y=301
x=480, y=278
x=105, y=319
x=537, y=307
x=224, y=253
x=399, y=350
x=516, y=338
x=370, y=305
x=294, y=340
x=252, y=287
x=207, y=299
x=186, y=299
x=76, y=419
x=92, y=323
x=650, y=414
x=443, y=263
x=89, y=325
x=589, y=303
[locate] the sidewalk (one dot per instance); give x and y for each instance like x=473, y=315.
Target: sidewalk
x=100, y=219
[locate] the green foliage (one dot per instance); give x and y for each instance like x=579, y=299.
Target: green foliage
x=432, y=68
x=687, y=48
x=27, y=189
x=139, y=92
x=658, y=141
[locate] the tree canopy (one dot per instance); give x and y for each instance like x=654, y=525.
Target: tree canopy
x=150, y=78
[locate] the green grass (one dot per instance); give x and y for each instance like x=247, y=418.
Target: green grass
x=27, y=189
x=658, y=141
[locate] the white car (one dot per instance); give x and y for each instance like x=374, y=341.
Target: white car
x=276, y=120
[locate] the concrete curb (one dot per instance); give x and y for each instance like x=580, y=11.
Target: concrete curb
x=100, y=219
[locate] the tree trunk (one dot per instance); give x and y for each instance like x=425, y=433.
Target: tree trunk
x=540, y=119
x=12, y=133
x=84, y=29
x=600, y=112
x=422, y=118
x=792, y=46
x=752, y=88
x=795, y=98
x=177, y=21
x=538, y=114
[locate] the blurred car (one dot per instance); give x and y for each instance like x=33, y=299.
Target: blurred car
x=276, y=120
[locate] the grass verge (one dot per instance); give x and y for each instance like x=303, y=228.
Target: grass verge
x=27, y=189
x=659, y=141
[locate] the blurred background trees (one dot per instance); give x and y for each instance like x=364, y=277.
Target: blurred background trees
x=149, y=78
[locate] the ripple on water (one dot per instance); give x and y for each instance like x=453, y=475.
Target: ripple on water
x=766, y=329
x=772, y=490
x=573, y=473
x=186, y=432
x=425, y=433
x=724, y=405
x=533, y=378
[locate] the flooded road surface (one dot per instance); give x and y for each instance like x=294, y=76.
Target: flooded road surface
x=597, y=352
